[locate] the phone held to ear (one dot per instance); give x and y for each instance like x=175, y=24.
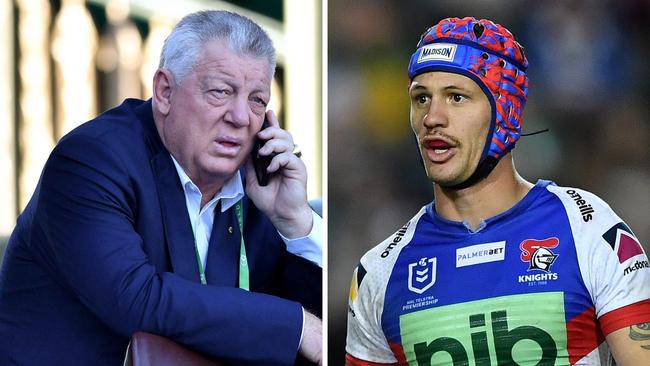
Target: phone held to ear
x=260, y=163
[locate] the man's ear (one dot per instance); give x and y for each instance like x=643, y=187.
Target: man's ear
x=163, y=80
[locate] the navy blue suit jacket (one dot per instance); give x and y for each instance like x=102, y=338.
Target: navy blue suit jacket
x=105, y=248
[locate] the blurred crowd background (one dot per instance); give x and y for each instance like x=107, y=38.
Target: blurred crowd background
x=62, y=62
x=589, y=84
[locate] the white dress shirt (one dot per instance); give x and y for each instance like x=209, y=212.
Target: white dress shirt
x=308, y=247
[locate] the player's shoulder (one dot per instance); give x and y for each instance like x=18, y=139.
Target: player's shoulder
x=388, y=249
x=582, y=206
x=370, y=277
x=377, y=263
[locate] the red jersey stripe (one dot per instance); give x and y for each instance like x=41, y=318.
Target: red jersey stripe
x=626, y=316
x=353, y=361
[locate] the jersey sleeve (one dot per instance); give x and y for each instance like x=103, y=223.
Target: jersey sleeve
x=612, y=261
x=620, y=276
x=366, y=343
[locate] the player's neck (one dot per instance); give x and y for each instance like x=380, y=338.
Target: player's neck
x=498, y=192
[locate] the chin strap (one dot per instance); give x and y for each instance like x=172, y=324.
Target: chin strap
x=483, y=169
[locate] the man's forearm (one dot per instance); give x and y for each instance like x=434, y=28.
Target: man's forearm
x=631, y=346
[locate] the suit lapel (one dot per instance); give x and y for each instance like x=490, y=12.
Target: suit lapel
x=176, y=222
x=177, y=226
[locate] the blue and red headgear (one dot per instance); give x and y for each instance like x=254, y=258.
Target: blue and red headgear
x=488, y=54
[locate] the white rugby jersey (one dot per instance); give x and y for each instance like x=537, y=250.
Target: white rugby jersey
x=540, y=284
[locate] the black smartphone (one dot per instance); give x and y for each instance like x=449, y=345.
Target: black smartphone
x=260, y=163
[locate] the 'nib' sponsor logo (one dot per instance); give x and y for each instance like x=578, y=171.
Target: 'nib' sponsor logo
x=504, y=342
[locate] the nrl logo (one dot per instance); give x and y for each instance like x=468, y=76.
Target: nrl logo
x=422, y=275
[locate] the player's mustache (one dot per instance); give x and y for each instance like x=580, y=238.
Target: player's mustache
x=437, y=134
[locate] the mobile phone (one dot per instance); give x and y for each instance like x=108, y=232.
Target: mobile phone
x=260, y=163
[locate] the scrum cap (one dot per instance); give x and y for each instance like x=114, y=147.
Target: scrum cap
x=488, y=54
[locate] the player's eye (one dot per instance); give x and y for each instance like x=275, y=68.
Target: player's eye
x=458, y=98
x=422, y=99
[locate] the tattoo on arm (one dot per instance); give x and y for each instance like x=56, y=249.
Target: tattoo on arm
x=641, y=333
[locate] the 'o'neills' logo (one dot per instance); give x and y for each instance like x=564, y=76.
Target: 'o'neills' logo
x=396, y=239
x=538, y=253
x=586, y=210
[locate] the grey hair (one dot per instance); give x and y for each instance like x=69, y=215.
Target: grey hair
x=183, y=46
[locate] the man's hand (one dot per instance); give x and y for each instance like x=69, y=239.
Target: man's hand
x=311, y=346
x=284, y=199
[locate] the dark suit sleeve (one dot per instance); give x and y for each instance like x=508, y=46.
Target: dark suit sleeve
x=294, y=277
x=302, y=282
x=85, y=214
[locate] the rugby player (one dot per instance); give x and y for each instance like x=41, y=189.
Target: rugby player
x=496, y=270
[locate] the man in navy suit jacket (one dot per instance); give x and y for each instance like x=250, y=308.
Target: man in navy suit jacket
x=134, y=224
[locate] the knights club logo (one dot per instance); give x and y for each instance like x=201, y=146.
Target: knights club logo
x=422, y=275
x=538, y=253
